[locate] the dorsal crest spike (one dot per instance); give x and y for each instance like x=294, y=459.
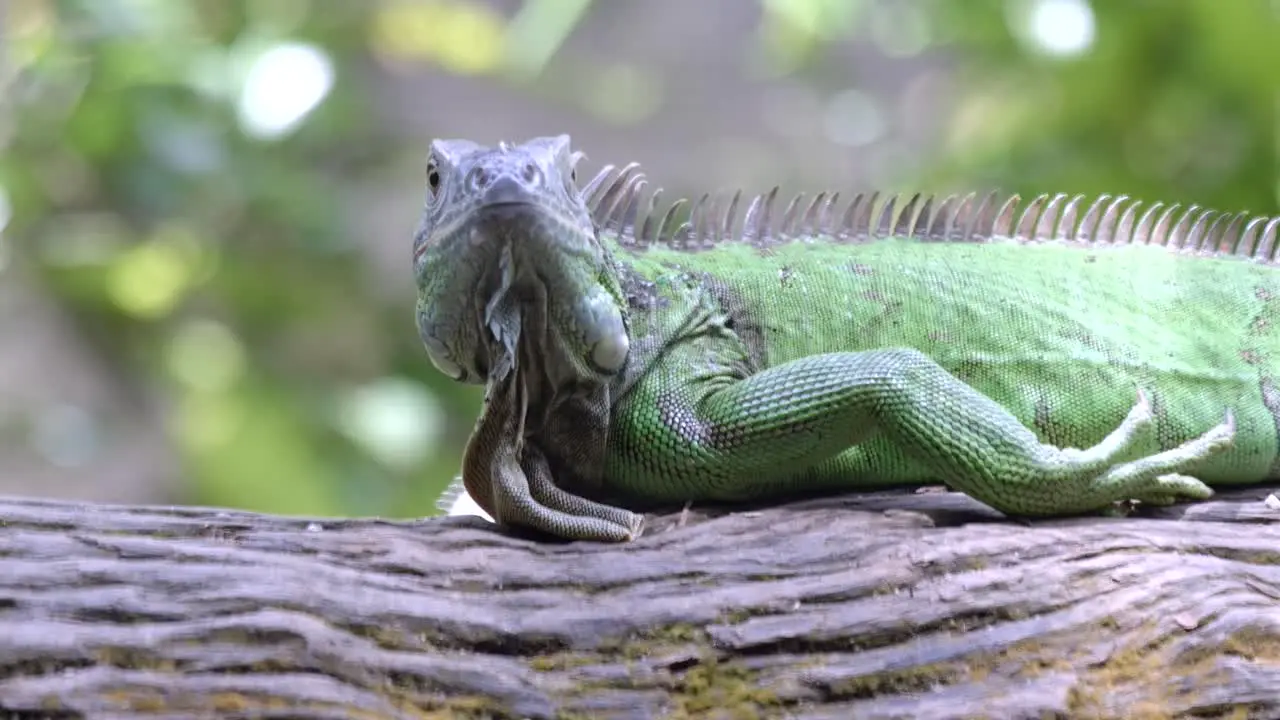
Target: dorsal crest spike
x=787, y=228
x=616, y=199
x=1047, y=221
x=1088, y=226
x=751, y=219
x=649, y=232
x=1160, y=234
x=906, y=217
x=697, y=222
x=826, y=221
x=1229, y=242
x=920, y=230
x=1127, y=228
x=1002, y=225
x=1212, y=242
x=593, y=185
x=844, y=228
x=626, y=227
x=941, y=220
x=1066, y=228
x=976, y=224
x=1249, y=238
x=961, y=220
x=1267, y=245
x=861, y=230
x=726, y=219
x=884, y=221
x=1177, y=231
x=1193, y=231
x=1110, y=217
x=1142, y=233
x=614, y=204
x=611, y=192
x=711, y=222
x=756, y=228
x=1026, y=224
x=668, y=218
x=809, y=222
x=598, y=200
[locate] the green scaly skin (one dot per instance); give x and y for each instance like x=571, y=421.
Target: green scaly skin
x=635, y=361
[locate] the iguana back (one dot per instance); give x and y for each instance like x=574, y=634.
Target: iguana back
x=1058, y=308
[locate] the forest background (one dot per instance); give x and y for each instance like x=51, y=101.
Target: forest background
x=207, y=206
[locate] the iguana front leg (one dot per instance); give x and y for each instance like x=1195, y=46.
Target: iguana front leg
x=511, y=480
x=723, y=437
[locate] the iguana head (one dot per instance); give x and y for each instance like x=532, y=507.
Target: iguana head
x=507, y=251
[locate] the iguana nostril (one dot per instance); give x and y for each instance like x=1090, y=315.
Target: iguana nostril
x=532, y=175
x=504, y=188
x=478, y=179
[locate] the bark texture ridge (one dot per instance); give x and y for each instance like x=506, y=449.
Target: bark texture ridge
x=889, y=605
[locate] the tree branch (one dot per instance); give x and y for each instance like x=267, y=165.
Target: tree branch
x=908, y=605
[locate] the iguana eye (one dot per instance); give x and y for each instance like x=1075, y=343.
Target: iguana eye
x=433, y=176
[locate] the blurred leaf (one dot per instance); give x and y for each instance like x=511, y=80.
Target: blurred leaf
x=181, y=173
x=466, y=38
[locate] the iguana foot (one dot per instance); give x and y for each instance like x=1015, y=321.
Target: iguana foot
x=1184, y=486
x=1189, y=488
x=1157, y=479
x=1093, y=479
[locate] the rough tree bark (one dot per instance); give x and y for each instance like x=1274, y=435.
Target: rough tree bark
x=908, y=605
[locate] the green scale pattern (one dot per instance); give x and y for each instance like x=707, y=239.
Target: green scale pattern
x=1062, y=335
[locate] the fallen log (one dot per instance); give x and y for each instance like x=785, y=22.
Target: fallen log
x=922, y=605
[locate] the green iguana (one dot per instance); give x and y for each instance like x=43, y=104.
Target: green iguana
x=634, y=357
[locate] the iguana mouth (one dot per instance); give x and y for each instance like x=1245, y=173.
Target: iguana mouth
x=503, y=214
x=508, y=207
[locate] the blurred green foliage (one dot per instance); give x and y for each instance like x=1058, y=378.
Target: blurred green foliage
x=1178, y=101
x=205, y=248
